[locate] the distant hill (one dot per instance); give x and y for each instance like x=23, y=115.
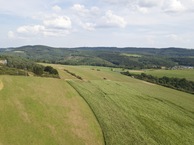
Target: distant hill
x=128, y=57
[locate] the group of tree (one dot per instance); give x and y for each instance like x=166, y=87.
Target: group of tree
x=21, y=66
x=176, y=83
x=73, y=74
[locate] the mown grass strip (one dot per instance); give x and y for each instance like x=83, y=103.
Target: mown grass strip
x=130, y=115
x=69, y=82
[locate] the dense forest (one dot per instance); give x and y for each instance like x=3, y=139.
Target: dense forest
x=130, y=57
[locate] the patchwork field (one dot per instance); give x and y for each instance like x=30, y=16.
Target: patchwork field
x=42, y=111
x=104, y=107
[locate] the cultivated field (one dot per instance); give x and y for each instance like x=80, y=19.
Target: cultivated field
x=103, y=106
x=131, y=111
x=44, y=111
x=185, y=73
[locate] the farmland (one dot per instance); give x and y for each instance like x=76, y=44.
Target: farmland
x=43, y=111
x=104, y=107
x=185, y=73
x=131, y=111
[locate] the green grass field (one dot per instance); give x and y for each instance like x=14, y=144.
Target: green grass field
x=185, y=73
x=44, y=111
x=131, y=111
x=131, y=55
x=103, y=107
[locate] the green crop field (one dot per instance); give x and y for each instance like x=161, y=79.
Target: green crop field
x=185, y=73
x=103, y=107
x=131, y=111
x=43, y=111
x=131, y=55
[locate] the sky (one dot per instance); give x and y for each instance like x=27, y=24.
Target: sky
x=111, y=23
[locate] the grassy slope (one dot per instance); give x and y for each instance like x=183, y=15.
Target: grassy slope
x=41, y=111
x=131, y=111
x=185, y=73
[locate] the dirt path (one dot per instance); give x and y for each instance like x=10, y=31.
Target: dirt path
x=1, y=85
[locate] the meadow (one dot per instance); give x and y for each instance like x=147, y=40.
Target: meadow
x=184, y=73
x=105, y=107
x=44, y=111
x=131, y=111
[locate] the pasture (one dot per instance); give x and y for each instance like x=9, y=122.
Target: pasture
x=131, y=55
x=131, y=111
x=44, y=111
x=185, y=73
x=105, y=107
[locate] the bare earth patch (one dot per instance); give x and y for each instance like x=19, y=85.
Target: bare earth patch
x=1, y=85
x=148, y=83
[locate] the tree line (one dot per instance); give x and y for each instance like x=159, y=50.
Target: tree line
x=21, y=66
x=175, y=83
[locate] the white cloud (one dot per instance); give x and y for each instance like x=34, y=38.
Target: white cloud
x=173, y=6
x=80, y=10
x=58, y=22
x=112, y=20
x=56, y=32
x=54, y=25
x=149, y=3
x=88, y=26
x=122, y=2
x=56, y=8
x=173, y=37
x=85, y=17
x=11, y=34
x=38, y=19
x=143, y=10
x=37, y=31
x=33, y=29
x=93, y=18
x=167, y=6
x=95, y=10
x=22, y=7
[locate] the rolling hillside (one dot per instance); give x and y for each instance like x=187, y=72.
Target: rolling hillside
x=103, y=107
x=106, y=56
x=43, y=111
x=131, y=111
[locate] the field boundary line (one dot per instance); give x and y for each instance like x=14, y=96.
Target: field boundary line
x=90, y=109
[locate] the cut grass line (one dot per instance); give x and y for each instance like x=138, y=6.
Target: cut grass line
x=130, y=115
x=90, y=109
